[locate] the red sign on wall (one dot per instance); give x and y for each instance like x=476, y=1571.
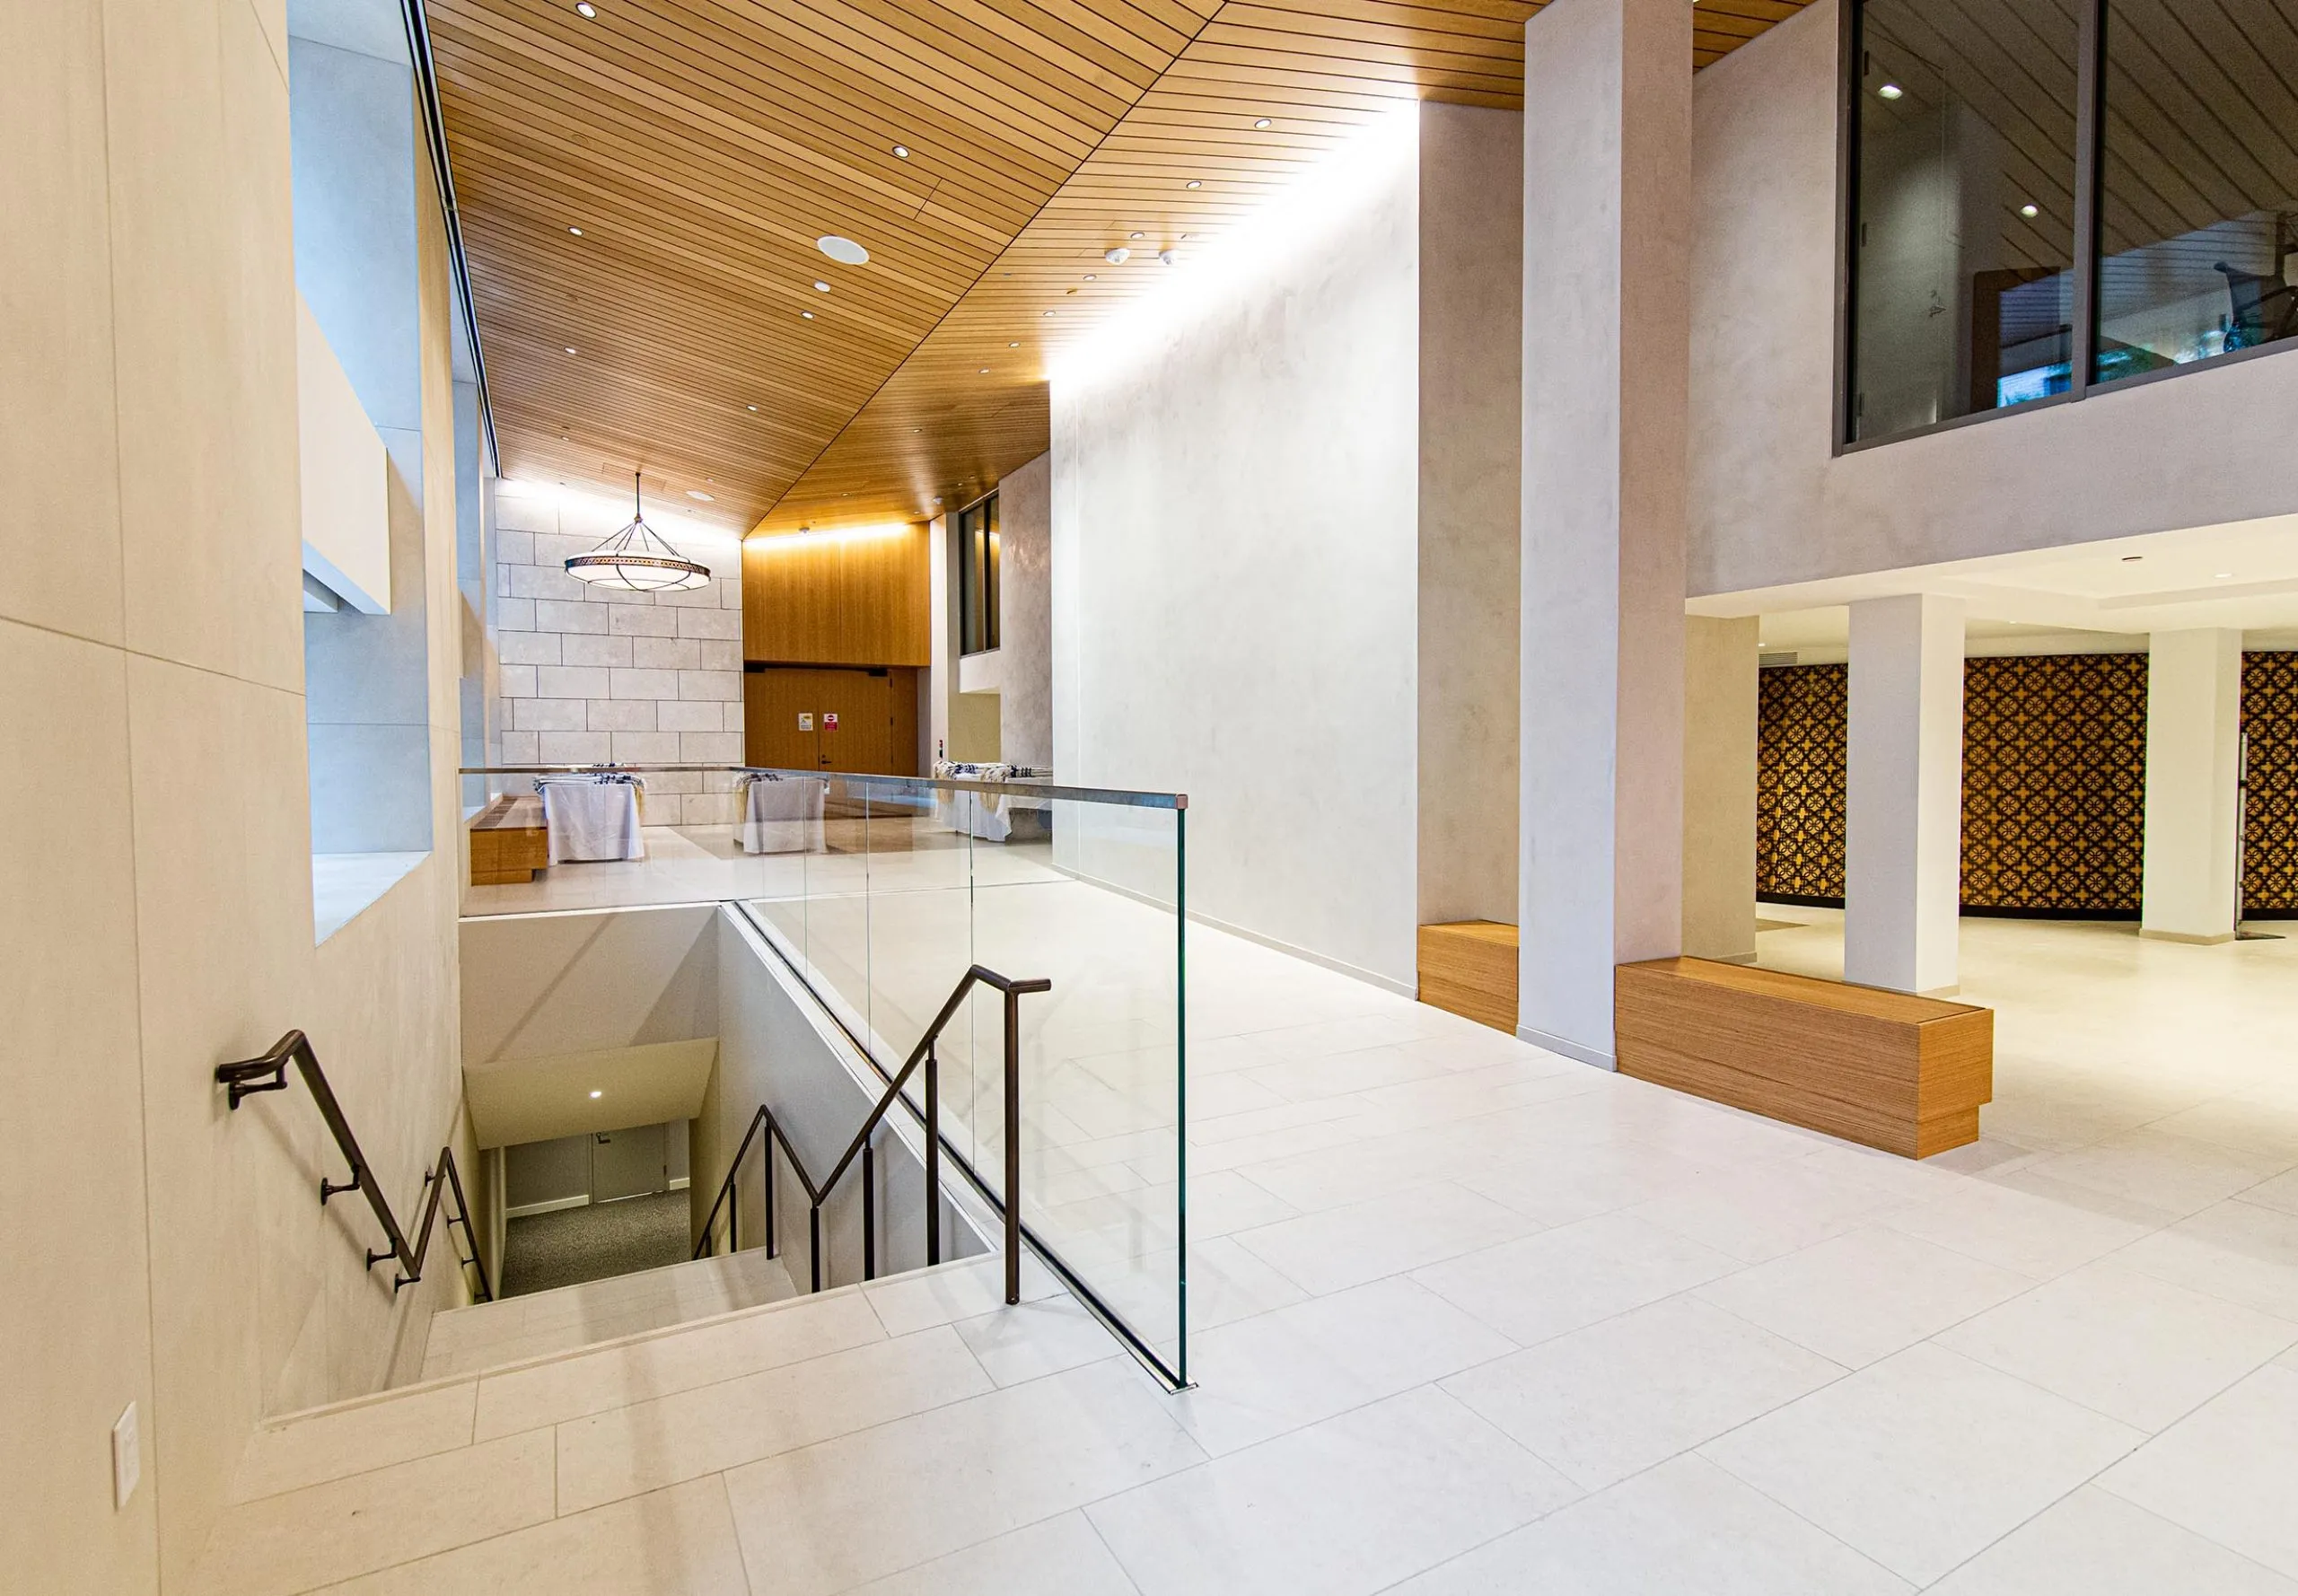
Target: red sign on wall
x=829, y=722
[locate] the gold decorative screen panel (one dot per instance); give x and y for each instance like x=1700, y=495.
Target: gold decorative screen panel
x=1800, y=712
x=2270, y=818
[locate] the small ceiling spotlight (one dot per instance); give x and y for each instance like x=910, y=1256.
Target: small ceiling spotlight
x=570, y=348
x=820, y=286
x=1089, y=277
x=844, y=251
x=1120, y=255
x=1048, y=312
x=585, y=10
x=753, y=409
x=2031, y=210
x=1263, y=122
x=698, y=494
x=594, y=1093
x=901, y=152
x=1015, y=345
x=1136, y=235
x=805, y=315
x=576, y=231
x=1193, y=183
x=1187, y=236
x=2223, y=577
x=1168, y=255
x=1891, y=91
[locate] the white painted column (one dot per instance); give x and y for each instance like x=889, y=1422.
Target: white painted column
x=2194, y=706
x=1607, y=352
x=1720, y=664
x=1904, y=798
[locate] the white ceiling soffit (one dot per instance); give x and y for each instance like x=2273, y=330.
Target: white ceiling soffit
x=539, y=1100
x=2241, y=575
x=364, y=27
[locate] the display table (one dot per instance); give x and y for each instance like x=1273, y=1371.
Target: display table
x=591, y=819
x=782, y=815
x=1904, y=1073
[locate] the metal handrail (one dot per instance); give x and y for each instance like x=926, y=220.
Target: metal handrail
x=911, y=784
x=925, y=1053
x=246, y=1077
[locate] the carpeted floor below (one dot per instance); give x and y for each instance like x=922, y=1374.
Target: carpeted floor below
x=544, y=1252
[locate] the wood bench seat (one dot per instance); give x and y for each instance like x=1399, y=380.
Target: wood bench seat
x=1904, y=1073
x=508, y=841
x=1469, y=967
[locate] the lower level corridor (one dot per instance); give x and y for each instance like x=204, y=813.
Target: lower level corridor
x=1466, y=1317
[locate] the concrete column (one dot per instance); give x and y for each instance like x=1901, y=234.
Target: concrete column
x=1904, y=802
x=2194, y=705
x=1607, y=350
x=1720, y=662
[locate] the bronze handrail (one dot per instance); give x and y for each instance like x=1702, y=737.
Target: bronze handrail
x=923, y=1053
x=246, y=1077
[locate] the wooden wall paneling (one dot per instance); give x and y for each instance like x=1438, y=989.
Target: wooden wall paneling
x=904, y=754
x=772, y=701
x=838, y=599
x=862, y=742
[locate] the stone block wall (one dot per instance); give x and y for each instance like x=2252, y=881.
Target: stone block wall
x=593, y=674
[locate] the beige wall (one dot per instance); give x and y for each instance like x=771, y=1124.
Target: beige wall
x=1771, y=504
x=1720, y=662
x=159, y=903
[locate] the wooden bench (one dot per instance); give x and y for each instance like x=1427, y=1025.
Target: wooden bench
x=1469, y=968
x=1906, y=1075
x=508, y=841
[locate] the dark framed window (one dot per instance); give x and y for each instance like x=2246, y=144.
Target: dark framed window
x=977, y=559
x=2046, y=196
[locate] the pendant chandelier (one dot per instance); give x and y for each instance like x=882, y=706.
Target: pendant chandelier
x=638, y=558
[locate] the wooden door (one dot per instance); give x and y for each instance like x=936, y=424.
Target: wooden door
x=781, y=720
x=862, y=740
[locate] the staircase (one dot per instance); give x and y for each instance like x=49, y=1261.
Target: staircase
x=490, y=1335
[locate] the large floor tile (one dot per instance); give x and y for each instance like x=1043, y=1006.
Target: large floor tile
x=1032, y=1339
x=2240, y=1250
x=1612, y=1399
x=1863, y=1296
x=1562, y=1182
x=1759, y=1211
x=2229, y=1471
x=886, y=1499
x=1263, y=1376
x=1684, y=1528
x=1387, y=1236
x=2039, y=1234
x=1060, y=1557
x=2134, y=1348
x=1344, y=1508
x=2095, y=1544
x=953, y=1292
x=352, y=1526
x=1923, y=1460
x=648, y=1445
x=2280, y=1193
x=1559, y=1280
x=2183, y=1174
x=679, y=1542
x=324, y=1446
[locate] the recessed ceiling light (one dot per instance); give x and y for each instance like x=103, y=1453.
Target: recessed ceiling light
x=844, y=251
x=1192, y=183
x=583, y=8
x=696, y=493
x=1168, y=255
x=1261, y=122
x=598, y=1094
x=570, y=348
x=2225, y=576
x=2132, y=559
x=1187, y=236
x=805, y=315
x=1090, y=277
x=1014, y=345
x=902, y=151
x=576, y=231
x=985, y=371
x=821, y=287
x=1048, y=312
x=1120, y=255
x=1891, y=91
x=1134, y=235
x=2031, y=210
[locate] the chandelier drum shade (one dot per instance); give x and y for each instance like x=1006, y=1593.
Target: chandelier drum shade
x=638, y=558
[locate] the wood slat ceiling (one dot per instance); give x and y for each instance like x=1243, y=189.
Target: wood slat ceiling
x=702, y=146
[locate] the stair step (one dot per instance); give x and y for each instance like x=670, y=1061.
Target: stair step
x=488, y=1335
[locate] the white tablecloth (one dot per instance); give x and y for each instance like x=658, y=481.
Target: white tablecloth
x=592, y=821
x=783, y=817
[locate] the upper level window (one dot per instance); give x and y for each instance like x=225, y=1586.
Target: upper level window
x=2198, y=217
x=2048, y=194
x=1963, y=221
x=976, y=557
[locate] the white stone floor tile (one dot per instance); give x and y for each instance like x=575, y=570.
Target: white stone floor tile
x=1923, y=1460
x=1560, y=1182
x=1686, y=1528
x=2265, y=1127
x=1344, y=1508
x=2228, y=1471
x=2095, y=1544
x=1860, y=1297
x=2183, y=1174
x=2240, y=1250
x=1559, y=1280
x=1615, y=1398
x=647, y=1445
x=1033, y=1339
x=1058, y=1556
x=2025, y=1231
x=363, y=1522
x=886, y=1499
x=1755, y=1212
x=1261, y=1377
x=679, y=1542
x=2134, y=1348
x=2281, y=1192
x=308, y=1451
x=1382, y=1236
x=952, y=1292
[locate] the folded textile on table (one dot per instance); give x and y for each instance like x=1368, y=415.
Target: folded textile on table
x=781, y=814
x=589, y=818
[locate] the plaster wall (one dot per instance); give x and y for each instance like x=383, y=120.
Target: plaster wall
x=1771, y=504
x=162, y=923
x=1235, y=487
x=1025, y=615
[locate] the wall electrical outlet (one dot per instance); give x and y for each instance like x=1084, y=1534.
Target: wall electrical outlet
x=126, y=1457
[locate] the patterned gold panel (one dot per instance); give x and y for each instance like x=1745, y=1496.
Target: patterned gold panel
x=2271, y=819
x=1800, y=710
x=2054, y=783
